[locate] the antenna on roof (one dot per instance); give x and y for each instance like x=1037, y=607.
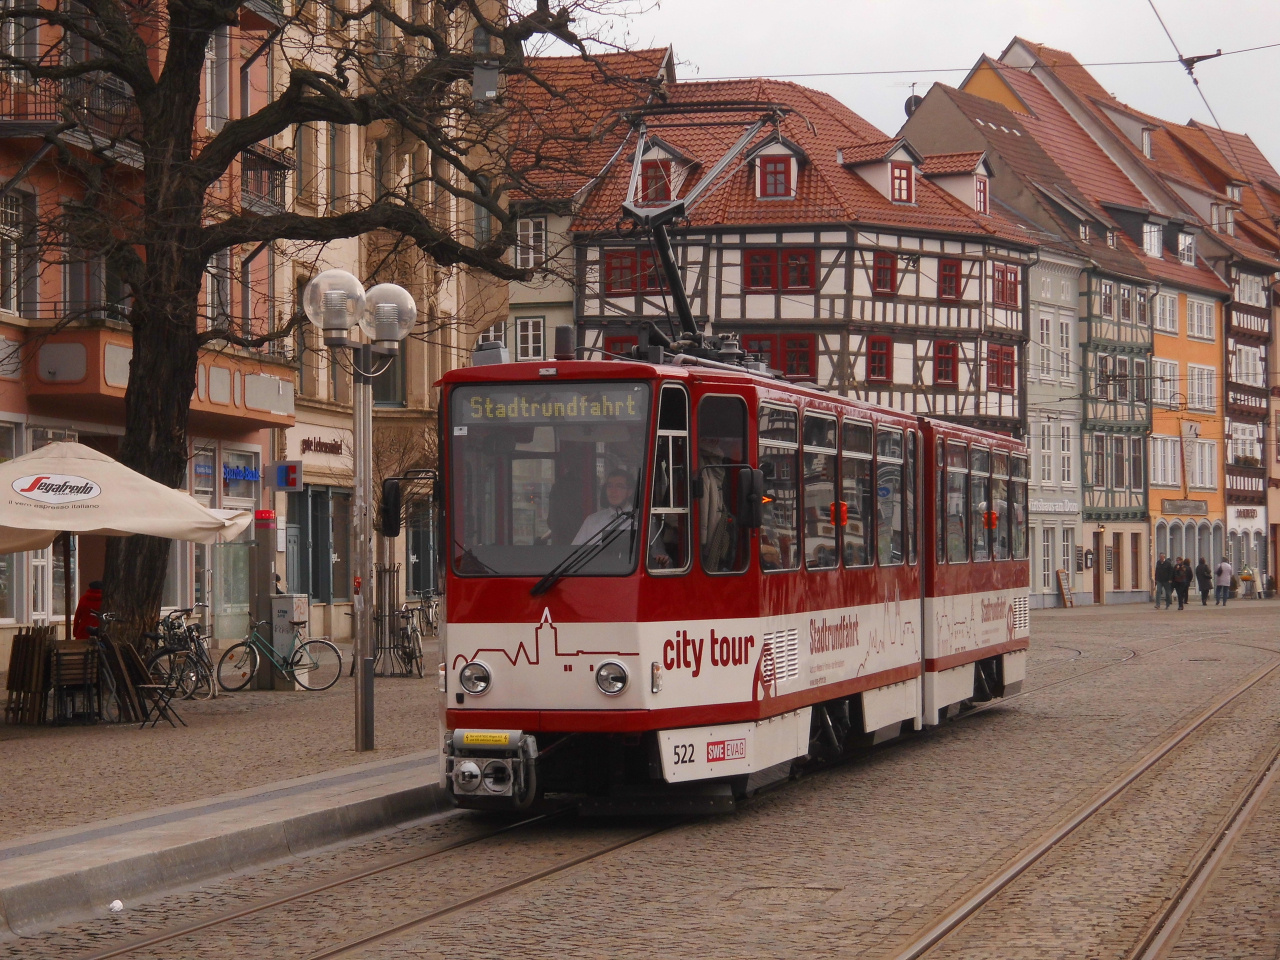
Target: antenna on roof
x=913, y=102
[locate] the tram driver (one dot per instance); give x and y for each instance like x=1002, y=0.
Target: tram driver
x=619, y=514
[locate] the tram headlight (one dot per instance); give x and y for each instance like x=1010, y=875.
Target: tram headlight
x=611, y=678
x=466, y=776
x=475, y=678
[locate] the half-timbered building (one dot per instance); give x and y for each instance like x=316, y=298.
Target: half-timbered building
x=1091, y=410
x=836, y=253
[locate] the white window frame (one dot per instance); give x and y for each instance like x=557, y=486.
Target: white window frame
x=1200, y=319
x=1187, y=248
x=494, y=334
x=531, y=242
x=1067, y=543
x=1165, y=381
x=1164, y=462
x=218, y=79
x=1152, y=239
x=1246, y=366
x=531, y=340
x=1065, y=466
x=1166, y=318
x=1201, y=387
x=1204, y=465
x=1064, y=348
x=11, y=251
x=1251, y=290
x=1047, y=553
x=1046, y=346
x=1046, y=452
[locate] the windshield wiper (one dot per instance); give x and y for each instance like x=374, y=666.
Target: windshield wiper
x=585, y=553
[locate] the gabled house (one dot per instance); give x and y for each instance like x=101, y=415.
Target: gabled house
x=835, y=253
x=1089, y=364
x=1194, y=218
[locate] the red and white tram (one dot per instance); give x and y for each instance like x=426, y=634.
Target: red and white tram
x=672, y=580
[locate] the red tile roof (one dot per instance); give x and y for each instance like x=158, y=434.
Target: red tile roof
x=869, y=152
x=827, y=191
x=564, y=116
x=941, y=164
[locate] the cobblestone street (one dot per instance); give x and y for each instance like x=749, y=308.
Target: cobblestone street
x=851, y=861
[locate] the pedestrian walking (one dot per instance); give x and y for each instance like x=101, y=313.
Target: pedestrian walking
x=1204, y=581
x=1182, y=580
x=1164, y=581
x=1222, y=575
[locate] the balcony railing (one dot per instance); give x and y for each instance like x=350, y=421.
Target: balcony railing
x=263, y=173
x=1246, y=484
x=98, y=104
x=1245, y=321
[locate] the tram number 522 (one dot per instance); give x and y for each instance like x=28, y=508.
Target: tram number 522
x=683, y=753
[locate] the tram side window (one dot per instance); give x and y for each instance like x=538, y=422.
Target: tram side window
x=724, y=545
x=779, y=444
x=909, y=495
x=889, y=519
x=1018, y=508
x=820, y=507
x=957, y=503
x=857, y=490
x=668, y=543
x=940, y=503
x=979, y=499
x=998, y=511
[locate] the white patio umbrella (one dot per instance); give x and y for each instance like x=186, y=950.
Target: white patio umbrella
x=71, y=488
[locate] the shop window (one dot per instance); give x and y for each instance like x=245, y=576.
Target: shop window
x=322, y=517
x=240, y=476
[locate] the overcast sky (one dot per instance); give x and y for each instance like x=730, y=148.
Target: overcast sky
x=722, y=38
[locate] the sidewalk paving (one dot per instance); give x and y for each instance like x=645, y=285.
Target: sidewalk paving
x=97, y=813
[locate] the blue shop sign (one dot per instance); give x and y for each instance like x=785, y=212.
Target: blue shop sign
x=230, y=473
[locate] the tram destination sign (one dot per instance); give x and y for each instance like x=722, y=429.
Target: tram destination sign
x=567, y=403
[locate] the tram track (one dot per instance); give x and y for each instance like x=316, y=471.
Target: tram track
x=1162, y=931
x=388, y=865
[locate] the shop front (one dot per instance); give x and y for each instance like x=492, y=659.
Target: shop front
x=1057, y=551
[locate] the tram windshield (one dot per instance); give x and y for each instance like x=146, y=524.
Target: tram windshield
x=546, y=476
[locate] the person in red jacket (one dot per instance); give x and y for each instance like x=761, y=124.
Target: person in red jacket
x=90, y=603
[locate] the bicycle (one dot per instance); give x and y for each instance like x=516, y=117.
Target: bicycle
x=430, y=612
x=312, y=664
x=184, y=655
x=408, y=646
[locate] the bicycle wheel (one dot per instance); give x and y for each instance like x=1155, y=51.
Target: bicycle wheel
x=168, y=665
x=316, y=665
x=237, y=667
x=415, y=649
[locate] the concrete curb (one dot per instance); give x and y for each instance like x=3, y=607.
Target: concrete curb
x=28, y=908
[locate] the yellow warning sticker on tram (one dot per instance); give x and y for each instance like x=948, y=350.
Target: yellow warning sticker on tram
x=480, y=738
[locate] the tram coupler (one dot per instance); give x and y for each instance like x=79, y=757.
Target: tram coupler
x=492, y=769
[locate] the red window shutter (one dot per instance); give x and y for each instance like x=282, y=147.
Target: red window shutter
x=944, y=362
x=655, y=181
x=798, y=269
x=799, y=356
x=879, y=350
x=763, y=345
x=949, y=279
x=761, y=270
x=620, y=271
x=884, y=278
x=775, y=176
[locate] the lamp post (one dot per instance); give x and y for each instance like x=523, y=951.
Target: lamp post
x=335, y=301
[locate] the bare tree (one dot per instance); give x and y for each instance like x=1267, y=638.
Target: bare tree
x=156, y=180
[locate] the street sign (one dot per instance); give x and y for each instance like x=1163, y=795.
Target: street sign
x=288, y=475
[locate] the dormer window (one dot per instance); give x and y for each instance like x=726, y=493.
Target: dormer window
x=775, y=176
x=1187, y=248
x=902, y=183
x=1112, y=239
x=1085, y=230
x=655, y=181
x=1235, y=193
x=980, y=196
x=1223, y=218
x=1152, y=239
x=1146, y=143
